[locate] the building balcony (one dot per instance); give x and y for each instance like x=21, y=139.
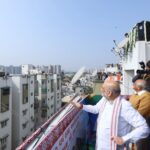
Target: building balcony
x=44, y=91
x=36, y=104
x=36, y=92
x=44, y=107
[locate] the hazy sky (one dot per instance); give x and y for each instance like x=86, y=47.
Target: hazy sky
x=72, y=33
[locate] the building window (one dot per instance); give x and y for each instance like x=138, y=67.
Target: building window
x=52, y=97
x=36, y=103
x=4, y=99
x=52, y=85
x=31, y=82
x=57, y=95
x=32, y=118
x=3, y=147
x=24, y=112
x=4, y=123
x=43, y=101
x=44, y=86
x=52, y=106
x=36, y=89
x=44, y=113
x=24, y=138
x=31, y=129
x=24, y=125
x=44, y=82
x=3, y=142
x=31, y=93
x=31, y=105
x=58, y=87
x=25, y=93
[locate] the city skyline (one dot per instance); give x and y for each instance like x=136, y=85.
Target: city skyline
x=70, y=33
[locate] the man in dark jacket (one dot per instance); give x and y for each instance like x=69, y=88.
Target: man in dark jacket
x=145, y=76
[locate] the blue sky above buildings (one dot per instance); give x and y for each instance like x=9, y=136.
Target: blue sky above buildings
x=72, y=33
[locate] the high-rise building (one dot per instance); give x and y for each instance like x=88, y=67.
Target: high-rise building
x=57, y=69
x=5, y=113
x=51, y=69
x=11, y=69
x=22, y=108
x=44, y=98
x=57, y=92
x=25, y=69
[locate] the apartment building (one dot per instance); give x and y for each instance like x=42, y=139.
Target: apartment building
x=44, y=98
x=112, y=68
x=57, y=92
x=25, y=69
x=11, y=69
x=57, y=69
x=31, y=69
x=22, y=108
x=5, y=113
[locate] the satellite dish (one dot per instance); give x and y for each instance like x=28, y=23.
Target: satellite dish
x=78, y=75
x=123, y=43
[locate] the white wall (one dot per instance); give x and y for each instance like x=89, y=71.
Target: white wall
x=141, y=52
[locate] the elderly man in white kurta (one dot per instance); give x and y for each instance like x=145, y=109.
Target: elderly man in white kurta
x=118, y=122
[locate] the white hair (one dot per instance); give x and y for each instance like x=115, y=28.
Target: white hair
x=141, y=83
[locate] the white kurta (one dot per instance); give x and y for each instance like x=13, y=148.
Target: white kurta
x=128, y=118
x=104, y=128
